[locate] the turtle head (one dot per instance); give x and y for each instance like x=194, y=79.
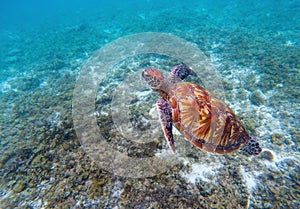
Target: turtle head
x=154, y=79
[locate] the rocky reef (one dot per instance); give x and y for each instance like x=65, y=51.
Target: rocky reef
x=44, y=165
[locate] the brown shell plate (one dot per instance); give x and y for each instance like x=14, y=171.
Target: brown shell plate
x=205, y=121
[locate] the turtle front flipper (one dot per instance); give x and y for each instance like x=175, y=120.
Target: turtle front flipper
x=180, y=72
x=165, y=115
x=251, y=147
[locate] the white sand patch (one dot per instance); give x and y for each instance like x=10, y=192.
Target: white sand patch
x=216, y=45
x=5, y=86
x=153, y=112
x=44, y=83
x=141, y=94
x=249, y=178
x=164, y=153
x=117, y=190
x=290, y=43
x=55, y=119
x=142, y=16
x=270, y=123
x=200, y=171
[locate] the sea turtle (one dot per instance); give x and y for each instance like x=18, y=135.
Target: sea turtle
x=202, y=119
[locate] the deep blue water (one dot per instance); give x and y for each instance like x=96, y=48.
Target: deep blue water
x=44, y=45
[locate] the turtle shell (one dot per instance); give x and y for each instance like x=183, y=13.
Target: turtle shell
x=205, y=121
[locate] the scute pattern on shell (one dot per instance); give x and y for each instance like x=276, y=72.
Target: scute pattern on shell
x=204, y=120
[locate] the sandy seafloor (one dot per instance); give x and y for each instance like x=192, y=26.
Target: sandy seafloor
x=255, y=50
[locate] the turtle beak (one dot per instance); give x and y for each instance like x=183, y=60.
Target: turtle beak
x=145, y=73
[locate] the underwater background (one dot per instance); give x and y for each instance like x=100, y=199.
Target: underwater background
x=44, y=45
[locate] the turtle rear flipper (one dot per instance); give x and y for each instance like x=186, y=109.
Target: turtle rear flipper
x=165, y=115
x=251, y=147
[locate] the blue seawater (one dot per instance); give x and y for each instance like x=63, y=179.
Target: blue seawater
x=253, y=47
